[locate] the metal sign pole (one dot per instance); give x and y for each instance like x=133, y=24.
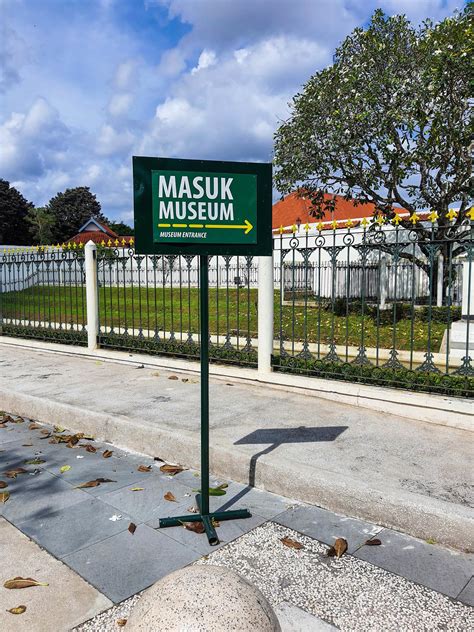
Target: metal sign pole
x=202, y=499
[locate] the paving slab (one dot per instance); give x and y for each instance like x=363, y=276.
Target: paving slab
x=42, y=495
x=327, y=526
x=467, y=593
x=401, y=473
x=438, y=568
x=348, y=593
x=125, y=564
x=149, y=503
x=77, y=527
x=294, y=619
x=63, y=604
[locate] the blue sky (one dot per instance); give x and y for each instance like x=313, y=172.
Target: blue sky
x=86, y=84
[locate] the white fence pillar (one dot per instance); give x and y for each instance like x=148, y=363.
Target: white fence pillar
x=439, y=289
x=383, y=282
x=467, y=310
x=92, y=302
x=265, y=314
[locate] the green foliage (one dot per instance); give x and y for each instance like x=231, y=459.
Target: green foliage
x=71, y=209
x=14, y=209
x=389, y=122
x=41, y=224
x=429, y=382
x=121, y=229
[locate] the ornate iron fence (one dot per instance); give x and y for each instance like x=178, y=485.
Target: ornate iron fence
x=389, y=311
x=42, y=294
x=151, y=304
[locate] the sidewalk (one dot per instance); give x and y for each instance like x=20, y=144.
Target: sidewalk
x=399, y=473
x=89, y=550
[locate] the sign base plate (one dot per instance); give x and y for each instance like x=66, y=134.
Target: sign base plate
x=206, y=519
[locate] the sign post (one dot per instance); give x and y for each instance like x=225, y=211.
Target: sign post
x=203, y=208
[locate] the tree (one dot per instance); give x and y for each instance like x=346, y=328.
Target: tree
x=121, y=228
x=71, y=209
x=41, y=225
x=389, y=122
x=13, y=211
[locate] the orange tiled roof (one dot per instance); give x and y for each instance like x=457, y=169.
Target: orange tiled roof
x=287, y=211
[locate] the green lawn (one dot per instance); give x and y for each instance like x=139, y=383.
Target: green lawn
x=234, y=311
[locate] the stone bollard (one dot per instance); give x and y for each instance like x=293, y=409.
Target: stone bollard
x=203, y=598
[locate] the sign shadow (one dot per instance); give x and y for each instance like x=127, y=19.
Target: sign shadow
x=276, y=437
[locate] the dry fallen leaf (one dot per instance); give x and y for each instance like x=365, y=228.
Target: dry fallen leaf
x=89, y=448
x=193, y=509
x=132, y=527
x=197, y=527
x=34, y=426
x=167, y=468
x=373, y=542
x=121, y=622
x=339, y=548
x=3, y=484
x=17, y=610
x=107, y=454
x=96, y=482
x=46, y=432
x=169, y=496
x=36, y=461
x=185, y=379
x=59, y=429
x=144, y=468
x=64, y=468
x=22, y=582
x=4, y=496
x=292, y=544
x=137, y=489
x=15, y=472
x=173, y=377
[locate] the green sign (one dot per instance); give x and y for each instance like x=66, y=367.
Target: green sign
x=215, y=208
x=202, y=207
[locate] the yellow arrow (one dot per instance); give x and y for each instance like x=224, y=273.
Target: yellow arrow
x=247, y=226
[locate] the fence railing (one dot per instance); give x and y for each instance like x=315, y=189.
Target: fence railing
x=157, y=308
x=380, y=306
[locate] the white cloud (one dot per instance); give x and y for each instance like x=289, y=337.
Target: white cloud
x=206, y=59
x=120, y=103
x=125, y=74
x=111, y=142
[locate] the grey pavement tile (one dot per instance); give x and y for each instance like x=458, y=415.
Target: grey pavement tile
x=32, y=501
x=327, y=526
x=467, y=593
x=75, y=527
x=294, y=619
x=433, y=566
x=150, y=503
x=255, y=500
x=227, y=531
x=124, y=564
x=120, y=472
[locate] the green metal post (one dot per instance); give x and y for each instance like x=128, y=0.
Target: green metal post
x=204, y=318
x=202, y=499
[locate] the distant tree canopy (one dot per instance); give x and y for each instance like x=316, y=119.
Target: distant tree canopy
x=389, y=122
x=14, y=209
x=71, y=209
x=41, y=225
x=121, y=228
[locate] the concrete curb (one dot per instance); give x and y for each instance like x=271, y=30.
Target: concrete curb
x=441, y=410
x=421, y=516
